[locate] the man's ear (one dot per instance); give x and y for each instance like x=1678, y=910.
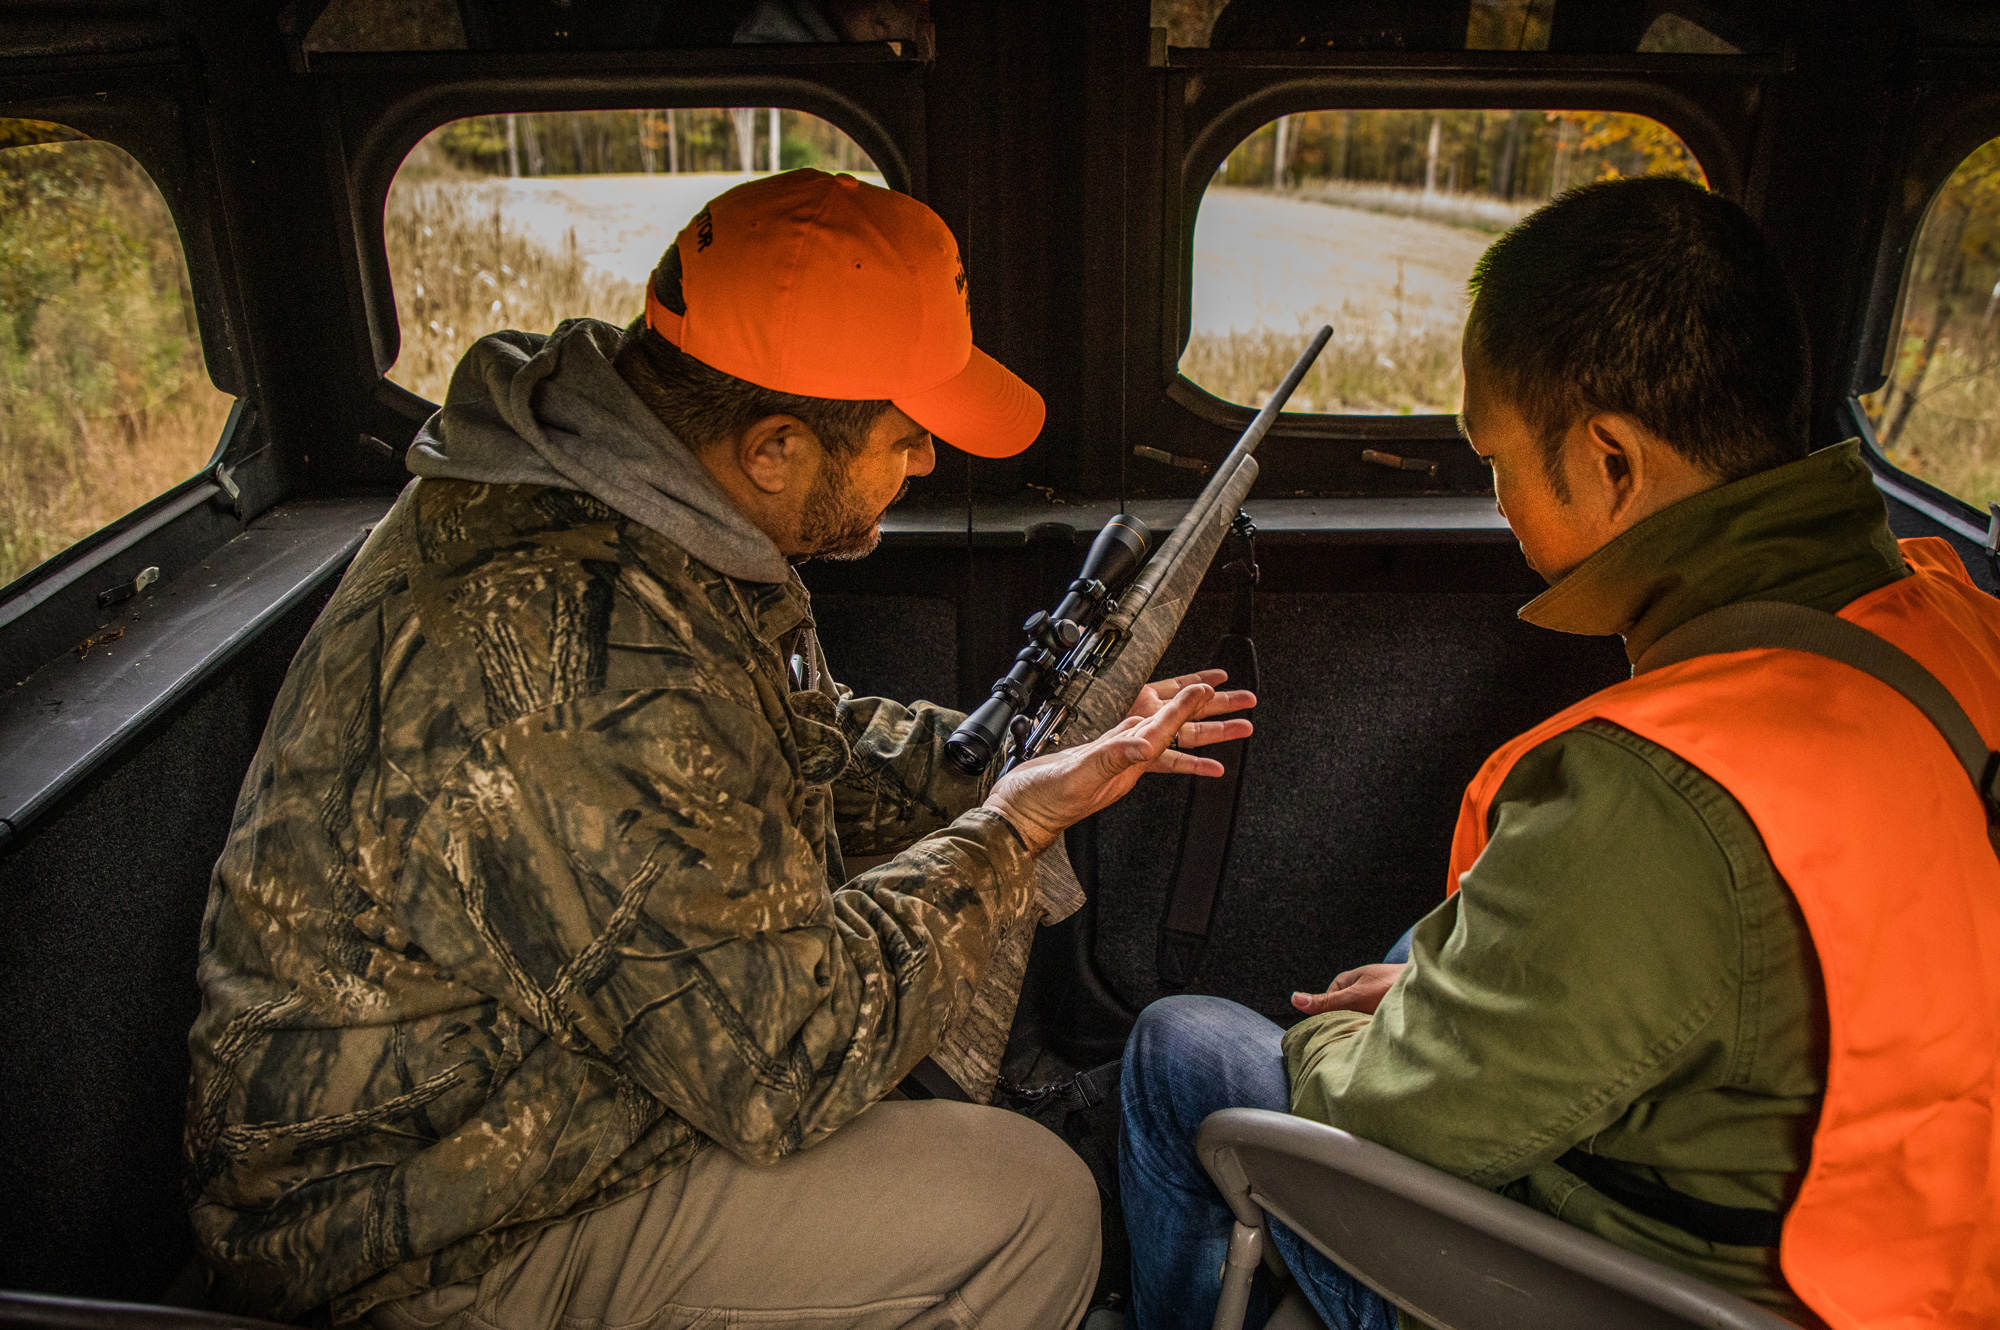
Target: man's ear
x=1616, y=461
x=775, y=453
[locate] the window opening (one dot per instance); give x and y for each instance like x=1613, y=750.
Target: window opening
x=105, y=401
x=1372, y=221
x=520, y=221
x=1938, y=416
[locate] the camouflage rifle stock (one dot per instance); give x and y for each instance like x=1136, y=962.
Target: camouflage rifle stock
x=1079, y=676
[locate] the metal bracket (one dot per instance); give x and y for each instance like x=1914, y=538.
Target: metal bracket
x=1165, y=458
x=126, y=590
x=1395, y=463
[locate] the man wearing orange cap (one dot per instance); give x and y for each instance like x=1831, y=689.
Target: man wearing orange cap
x=532, y=992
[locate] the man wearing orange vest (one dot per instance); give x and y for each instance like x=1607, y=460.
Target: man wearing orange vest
x=1719, y=976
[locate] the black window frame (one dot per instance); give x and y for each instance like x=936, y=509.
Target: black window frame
x=378, y=285
x=1709, y=101
x=1950, y=117
x=384, y=104
x=1337, y=424
x=152, y=107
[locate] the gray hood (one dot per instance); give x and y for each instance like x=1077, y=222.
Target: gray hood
x=529, y=409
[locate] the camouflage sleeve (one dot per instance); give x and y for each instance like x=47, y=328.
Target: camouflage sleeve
x=628, y=872
x=899, y=784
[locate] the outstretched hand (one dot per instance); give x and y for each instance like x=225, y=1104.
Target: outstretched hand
x=1353, y=990
x=1161, y=691
x=1043, y=797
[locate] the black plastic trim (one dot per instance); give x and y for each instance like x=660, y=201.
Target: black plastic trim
x=62, y=573
x=431, y=66
x=1321, y=425
x=72, y=715
x=1487, y=64
x=1010, y=523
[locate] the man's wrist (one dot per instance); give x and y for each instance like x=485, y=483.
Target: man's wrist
x=1008, y=823
x=1024, y=830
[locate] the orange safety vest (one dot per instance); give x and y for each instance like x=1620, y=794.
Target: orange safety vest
x=1872, y=823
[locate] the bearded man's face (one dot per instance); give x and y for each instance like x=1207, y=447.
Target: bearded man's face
x=842, y=515
x=838, y=522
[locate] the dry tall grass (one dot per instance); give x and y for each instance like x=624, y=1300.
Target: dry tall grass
x=1362, y=371
x=1480, y=212
x=62, y=479
x=104, y=401
x=461, y=271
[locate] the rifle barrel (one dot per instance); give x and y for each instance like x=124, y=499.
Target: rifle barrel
x=1261, y=424
x=1201, y=511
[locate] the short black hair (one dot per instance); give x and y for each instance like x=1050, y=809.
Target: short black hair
x=1654, y=298
x=704, y=406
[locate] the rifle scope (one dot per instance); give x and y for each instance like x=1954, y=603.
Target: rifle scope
x=1115, y=556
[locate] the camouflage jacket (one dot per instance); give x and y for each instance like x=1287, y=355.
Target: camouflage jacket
x=534, y=890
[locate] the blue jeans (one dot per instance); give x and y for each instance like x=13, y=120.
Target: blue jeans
x=1188, y=1057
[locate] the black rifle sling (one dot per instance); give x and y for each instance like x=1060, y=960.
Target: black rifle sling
x=1210, y=820
x=1746, y=626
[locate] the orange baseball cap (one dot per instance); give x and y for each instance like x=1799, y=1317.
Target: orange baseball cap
x=823, y=286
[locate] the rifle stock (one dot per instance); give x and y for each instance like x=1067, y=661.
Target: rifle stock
x=1106, y=698
x=1148, y=614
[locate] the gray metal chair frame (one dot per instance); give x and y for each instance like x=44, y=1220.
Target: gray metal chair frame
x=1457, y=1256
x=35, y=1311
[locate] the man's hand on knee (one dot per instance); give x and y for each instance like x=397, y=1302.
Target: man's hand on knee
x=1353, y=990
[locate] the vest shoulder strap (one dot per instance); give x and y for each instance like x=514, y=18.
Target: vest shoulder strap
x=1751, y=624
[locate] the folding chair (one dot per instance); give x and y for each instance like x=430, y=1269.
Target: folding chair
x=34, y=1311
x=1455, y=1255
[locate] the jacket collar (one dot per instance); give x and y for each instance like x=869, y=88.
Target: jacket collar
x=1814, y=532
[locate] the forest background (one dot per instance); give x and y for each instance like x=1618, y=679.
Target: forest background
x=467, y=259
x=105, y=402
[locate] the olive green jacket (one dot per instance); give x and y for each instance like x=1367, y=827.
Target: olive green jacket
x=534, y=890
x=1623, y=969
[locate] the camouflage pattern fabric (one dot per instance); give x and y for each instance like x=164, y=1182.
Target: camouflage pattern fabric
x=533, y=891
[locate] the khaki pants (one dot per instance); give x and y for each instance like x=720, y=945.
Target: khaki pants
x=929, y=1215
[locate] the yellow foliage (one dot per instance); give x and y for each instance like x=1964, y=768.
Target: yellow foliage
x=1635, y=140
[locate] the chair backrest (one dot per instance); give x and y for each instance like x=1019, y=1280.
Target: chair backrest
x=1456, y=1255
x=29, y=1311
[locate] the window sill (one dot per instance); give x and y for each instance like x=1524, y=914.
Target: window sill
x=64, y=721
x=1415, y=520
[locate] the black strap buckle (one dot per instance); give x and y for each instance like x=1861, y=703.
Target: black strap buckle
x=1247, y=573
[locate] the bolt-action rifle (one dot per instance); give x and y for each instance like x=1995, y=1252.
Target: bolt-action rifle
x=1078, y=676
